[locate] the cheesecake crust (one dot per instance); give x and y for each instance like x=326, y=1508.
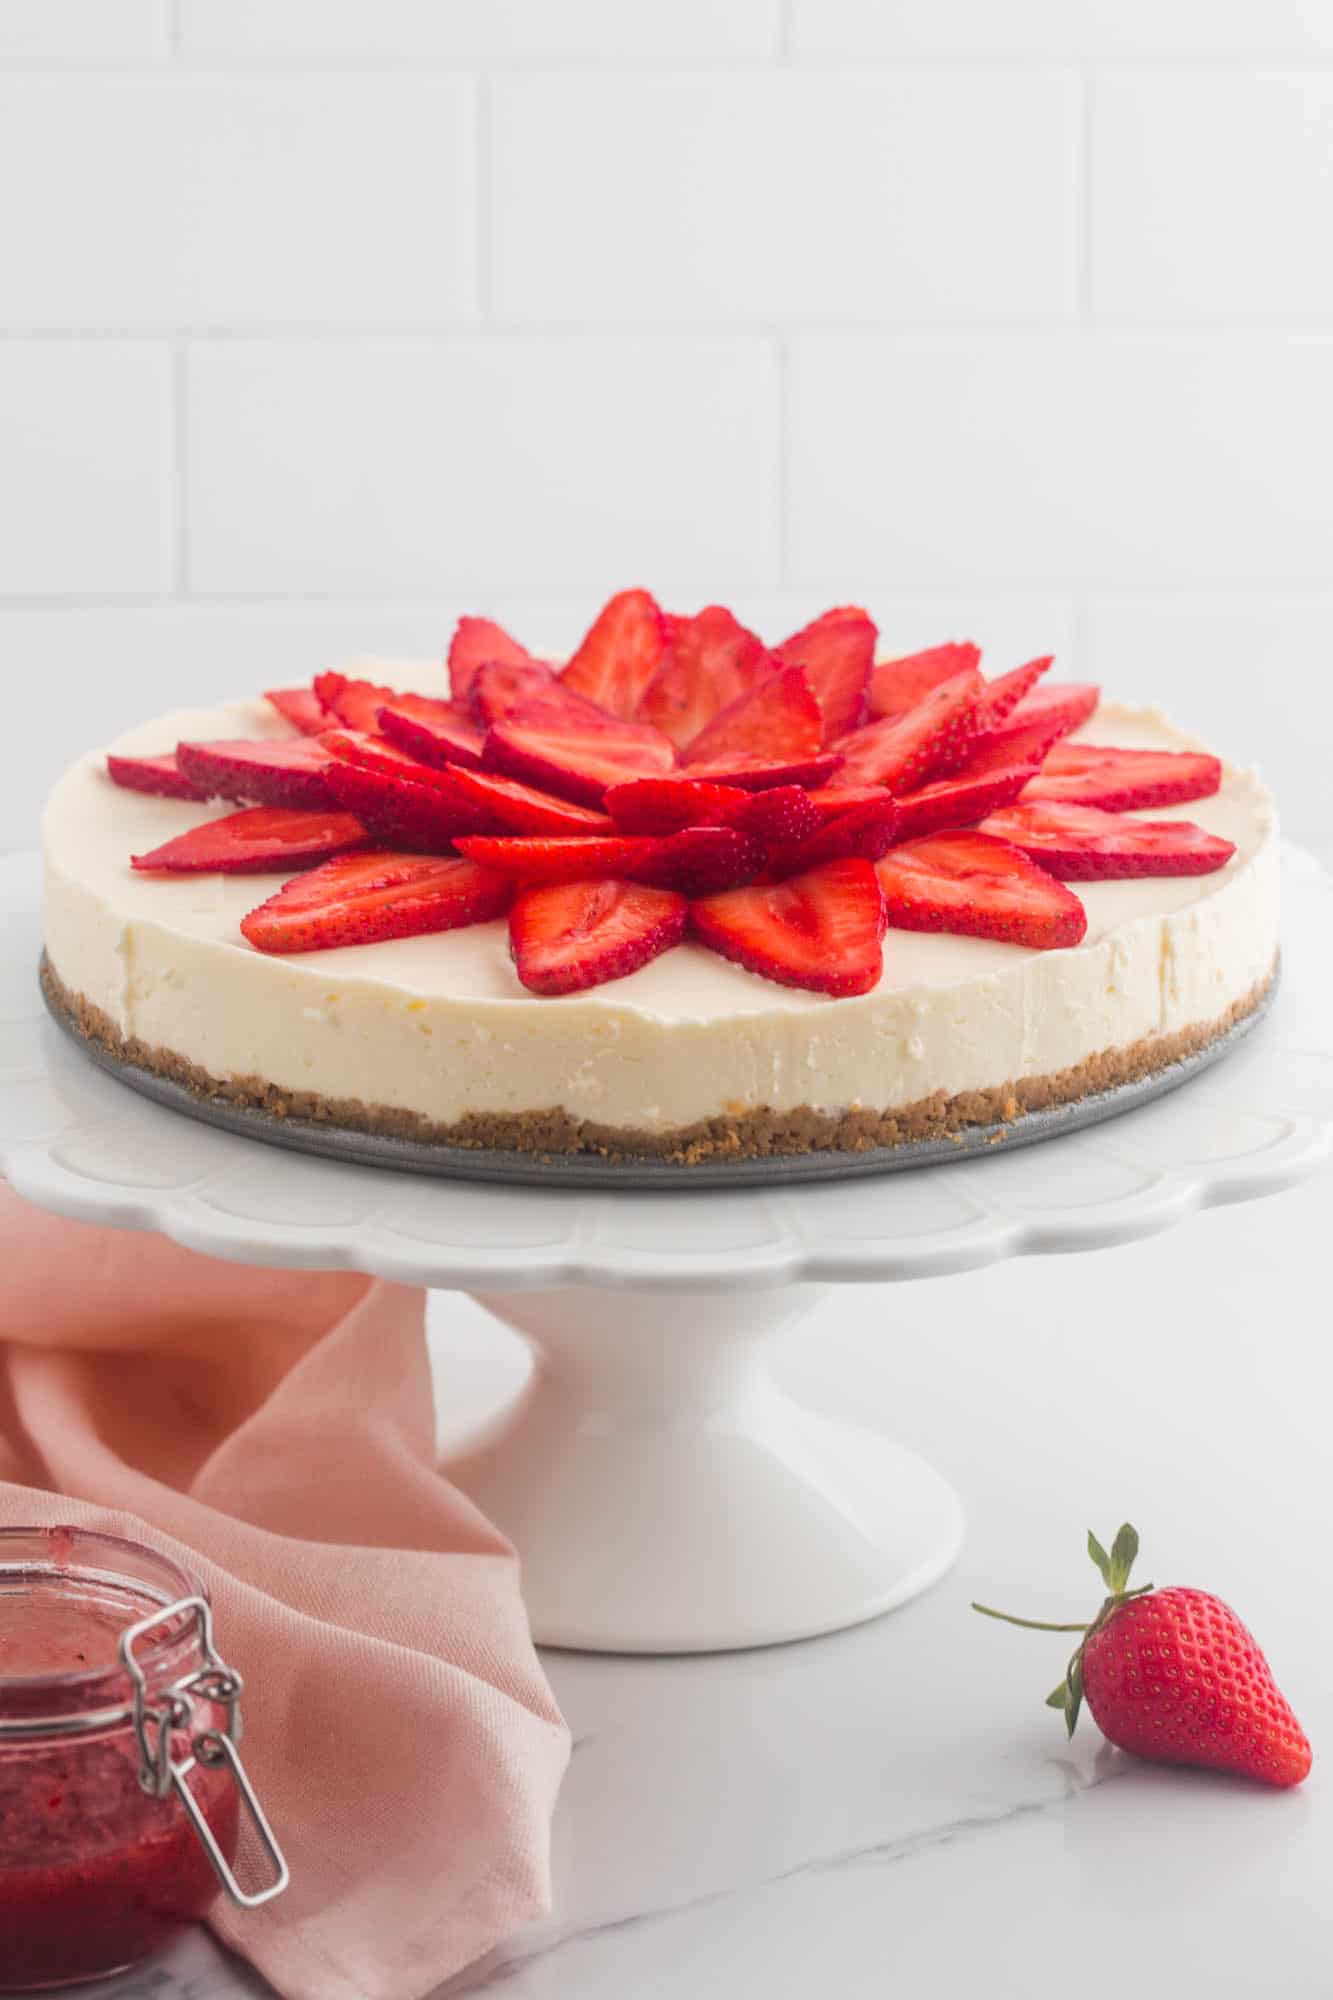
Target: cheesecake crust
x=750, y=1135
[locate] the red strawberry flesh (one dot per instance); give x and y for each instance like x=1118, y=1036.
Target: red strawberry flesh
x=963, y=800
x=711, y=661
x=1051, y=711
x=570, y=936
x=520, y=808
x=977, y=886
x=157, y=777
x=1002, y=696
x=577, y=763
x=501, y=689
x=353, y=703
x=404, y=816
x=696, y=860
x=435, y=732
x=867, y=830
x=1086, y=844
x=475, y=642
x=820, y=930
x=281, y=772
x=367, y=898
x=1095, y=774
x=753, y=775
x=836, y=652
x=620, y=655
x=301, y=707
x=777, y=722
x=257, y=840
x=897, y=685
x=664, y=805
x=908, y=749
x=781, y=818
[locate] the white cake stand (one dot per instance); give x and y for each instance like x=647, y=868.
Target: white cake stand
x=664, y=1494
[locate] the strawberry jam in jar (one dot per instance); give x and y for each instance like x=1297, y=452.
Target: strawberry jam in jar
x=120, y=1797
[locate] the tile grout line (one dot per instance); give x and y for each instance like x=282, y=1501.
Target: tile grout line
x=171, y=31
x=1316, y=329
x=1310, y=595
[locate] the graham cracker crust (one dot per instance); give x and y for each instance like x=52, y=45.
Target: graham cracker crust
x=751, y=1135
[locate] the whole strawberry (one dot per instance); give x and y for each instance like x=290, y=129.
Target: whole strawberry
x=1173, y=1675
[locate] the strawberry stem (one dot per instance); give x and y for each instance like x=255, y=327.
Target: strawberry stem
x=1029, y=1624
x=1114, y=1567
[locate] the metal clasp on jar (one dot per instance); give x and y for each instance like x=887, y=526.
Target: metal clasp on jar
x=175, y=1713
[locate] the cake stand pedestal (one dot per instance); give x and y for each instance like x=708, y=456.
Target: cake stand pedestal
x=663, y=1492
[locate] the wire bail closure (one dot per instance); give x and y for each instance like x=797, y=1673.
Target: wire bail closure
x=160, y=1773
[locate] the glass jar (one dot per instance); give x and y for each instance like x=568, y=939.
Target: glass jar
x=120, y=1788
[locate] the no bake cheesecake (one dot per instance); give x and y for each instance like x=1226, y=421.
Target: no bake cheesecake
x=688, y=896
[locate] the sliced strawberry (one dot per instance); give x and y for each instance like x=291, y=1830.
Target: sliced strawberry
x=301, y=707
x=711, y=661
x=577, y=762
x=754, y=775
x=511, y=806
x=578, y=934
x=782, y=818
x=365, y=898
x=820, y=930
x=697, y=860
x=897, y=685
x=620, y=654
x=906, y=750
x=353, y=703
x=867, y=831
x=160, y=777
x=664, y=805
x=421, y=819
x=777, y=722
x=475, y=641
x=832, y=802
x=287, y=772
x=374, y=752
x=976, y=886
x=836, y=652
x=501, y=688
x=258, y=840
x=963, y=800
x=1054, y=711
x=1094, y=774
x=436, y=732
x=1012, y=743
x=1000, y=697
x=1085, y=844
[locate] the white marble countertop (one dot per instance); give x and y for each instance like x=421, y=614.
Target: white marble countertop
x=893, y=1807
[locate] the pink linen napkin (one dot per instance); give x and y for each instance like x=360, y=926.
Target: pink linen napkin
x=274, y=1432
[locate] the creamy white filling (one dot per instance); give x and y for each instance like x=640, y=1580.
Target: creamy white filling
x=441, y=1025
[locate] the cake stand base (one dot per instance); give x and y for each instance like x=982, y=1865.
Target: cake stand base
x=665, y=1495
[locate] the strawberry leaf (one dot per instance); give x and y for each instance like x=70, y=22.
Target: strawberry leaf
x=1100, y=1557
x=1074, y=1692
x=1124, y=1550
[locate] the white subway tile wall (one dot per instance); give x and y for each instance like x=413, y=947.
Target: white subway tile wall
x=323, y=320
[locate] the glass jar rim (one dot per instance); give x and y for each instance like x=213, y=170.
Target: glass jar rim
x=72, y=1551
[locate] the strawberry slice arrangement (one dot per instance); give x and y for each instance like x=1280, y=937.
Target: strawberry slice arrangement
x=1173, y=1675
x=680, y=778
